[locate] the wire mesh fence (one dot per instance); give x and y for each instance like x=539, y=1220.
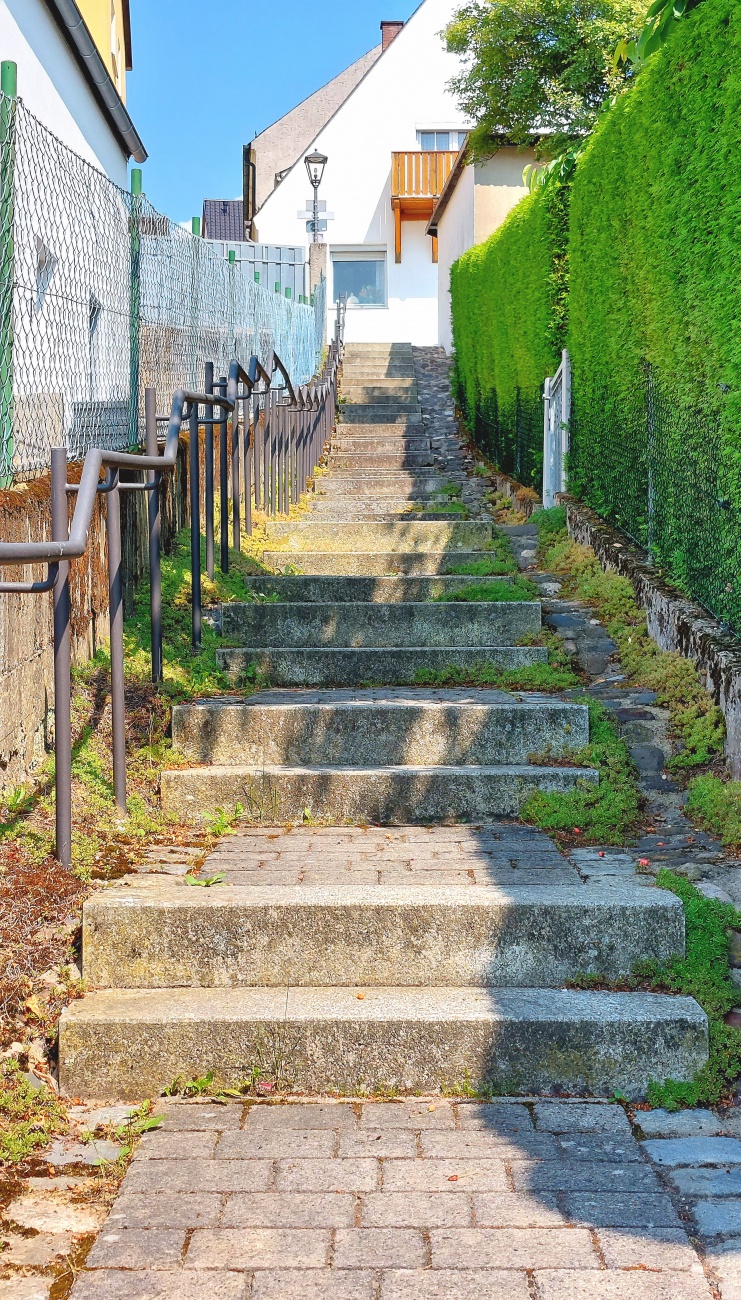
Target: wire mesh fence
x=512, y=437
x=658, y=465
x=102, y=296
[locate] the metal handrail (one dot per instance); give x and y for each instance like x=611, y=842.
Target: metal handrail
x=287, y=464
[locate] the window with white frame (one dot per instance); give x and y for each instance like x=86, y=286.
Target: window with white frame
x=359, y=277
x=441, y=141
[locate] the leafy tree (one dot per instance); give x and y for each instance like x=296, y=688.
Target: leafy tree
x=540, y=69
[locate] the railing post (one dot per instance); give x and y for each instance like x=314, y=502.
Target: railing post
x=209, y=474
x=62, y=664
x=155, y=537
x=195, y=528
x=135, y=305
x=223, y=493
x=116, y=619
x=248, y=424
x=548, y=457
x=9, y=87
x=236, y=523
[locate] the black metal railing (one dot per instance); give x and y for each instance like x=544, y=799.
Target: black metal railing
x=278, y=436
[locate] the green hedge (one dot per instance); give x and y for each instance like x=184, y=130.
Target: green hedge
x=655, y=309
x=508, y=308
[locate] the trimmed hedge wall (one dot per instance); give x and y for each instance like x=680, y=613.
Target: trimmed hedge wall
x=655, y=309
x=508, y=307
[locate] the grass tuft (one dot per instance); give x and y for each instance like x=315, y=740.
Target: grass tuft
x=519, y=590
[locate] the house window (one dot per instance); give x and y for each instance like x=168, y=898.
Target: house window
x=360, y=278
x=442, y=141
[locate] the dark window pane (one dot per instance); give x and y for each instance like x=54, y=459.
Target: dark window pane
x=363, y=282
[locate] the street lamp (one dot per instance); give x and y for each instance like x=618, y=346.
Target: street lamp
x=315, y=164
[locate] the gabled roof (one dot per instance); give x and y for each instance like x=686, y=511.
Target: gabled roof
x=223, y=219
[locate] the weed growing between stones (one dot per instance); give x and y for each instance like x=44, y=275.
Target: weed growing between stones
x=716, y=805
x=482, y=568
x=541, y=677
x=29, y=1114
x=695, y=723
x=521, y=589
x=608, y=813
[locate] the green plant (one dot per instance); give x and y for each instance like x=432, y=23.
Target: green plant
x=182, y=1087
x=519, y=590
x=221, y=822
x=534, y=677
x=607, y=813
x=716, y=805
x=482, y=568
x=207, y=882
x=450, y=490
x=29, y=1115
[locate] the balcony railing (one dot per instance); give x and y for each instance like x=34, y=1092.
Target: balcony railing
x=417, y=180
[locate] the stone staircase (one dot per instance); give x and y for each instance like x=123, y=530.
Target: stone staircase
x=414, y=942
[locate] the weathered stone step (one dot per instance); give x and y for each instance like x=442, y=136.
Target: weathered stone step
x=423, y=623
x=418, y=537
x=329, y=589
x=370, y=563
x=384, y=795
x=372, y=372
x=381, y=413
x=383, y=666
x=354, y=350
x=397, y=430
x=479, y=936
x=377, y=728
x=390, y=483
x=386, y=510
x=385, y=446
x=132, y=1043
x=373, y=461
x=377, y=394
x=377, y=388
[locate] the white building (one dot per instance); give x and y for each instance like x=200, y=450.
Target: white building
x=69, y=80
x=475, y=201
x=391, y=146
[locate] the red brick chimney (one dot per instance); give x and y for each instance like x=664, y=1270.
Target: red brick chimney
x=390, y=31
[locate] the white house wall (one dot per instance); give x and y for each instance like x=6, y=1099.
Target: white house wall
x=456, y=234
x=53, y=87
x=405, y=91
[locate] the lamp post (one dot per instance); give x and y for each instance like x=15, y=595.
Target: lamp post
x=315, y=164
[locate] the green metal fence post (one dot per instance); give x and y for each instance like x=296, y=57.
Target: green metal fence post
x=135, y=305
x=195, y=227
x=9, y=88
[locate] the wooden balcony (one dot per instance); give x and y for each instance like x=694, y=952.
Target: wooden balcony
x=417, y=180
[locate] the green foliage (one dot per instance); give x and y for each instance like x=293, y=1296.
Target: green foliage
x=534, y=677
x=483, y=568
x=548, y=62
x=659, y=24
x=655, y=301
x=604, y=814
x=28, y=1115
x=509, y=317
x=182, y=1087
x=716, y=805
x=519, y=590
x=703, y=974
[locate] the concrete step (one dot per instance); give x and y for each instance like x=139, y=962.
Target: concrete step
x=378, y=728
x=402, y=351
x=386, y=510
x=387, y=796
x=387, y=445
x=369, y=563
x=400, y=392
x=132, y=1043
x=382, y=666
x=372, y=372
x=390, y=483
x=401, y=428
x=411, y=536
x=373, y=461
x=381, y=413
x=423, y=623
x=328, y=589
x=375, y=935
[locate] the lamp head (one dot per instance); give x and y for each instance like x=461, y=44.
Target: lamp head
x=315, y=164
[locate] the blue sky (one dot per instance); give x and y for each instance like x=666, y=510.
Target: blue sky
x=208, y=77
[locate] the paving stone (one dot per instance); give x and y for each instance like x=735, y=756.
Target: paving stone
x=415, y=1210
x=115, y=1285
x=273, y=1144
x=572, y=1176
x=495, y=1119
x=724, y=1258
x=587, y=1147
x=693, y=1183
x=25, y=1288
x=295, y=1284
x=673, y=1152
x=667, y=1249
x=456, y=1175
x=311, y=1116
x=581, y=1118
x=165, y=1210
x=621, y=1286
x=457, y=1284
x=54, y=1213
x=613, y=1210
x=327, y=1175
x=190, y=1117
x=380, y=1142
x=379, y=1248
x=33, y=1252
x=288, y=1210
x=254, y=1248
x=717, y=1218
x=198, y=1176
x=163, y=1146
x=510, y=1210
x=480, y=1142
x=679, y=1124
x=411, y=1115
x=512, y=1248
x=63, y=1152
x=157, y=1248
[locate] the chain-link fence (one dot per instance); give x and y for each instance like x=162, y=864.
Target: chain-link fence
x=659, y=467
x=511, y=438
x=101, y=296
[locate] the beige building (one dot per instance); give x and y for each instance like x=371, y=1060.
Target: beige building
x=475, y=201
x=109, y=24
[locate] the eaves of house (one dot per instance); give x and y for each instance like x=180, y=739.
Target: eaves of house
x=71, y=24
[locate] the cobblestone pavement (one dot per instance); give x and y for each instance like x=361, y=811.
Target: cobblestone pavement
x=413, y=1200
